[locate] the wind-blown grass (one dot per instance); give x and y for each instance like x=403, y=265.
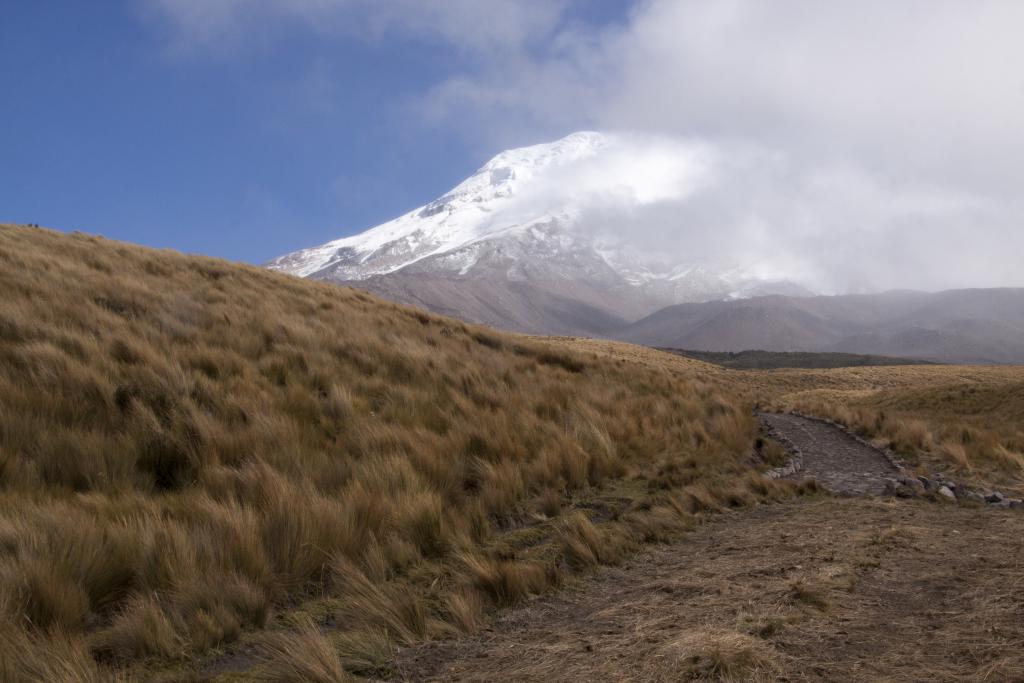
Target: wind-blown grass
x=189, y=447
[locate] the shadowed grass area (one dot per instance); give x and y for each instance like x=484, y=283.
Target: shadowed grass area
x=190, y=449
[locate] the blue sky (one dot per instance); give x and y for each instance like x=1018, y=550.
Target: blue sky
x=870, y=143
x=244, y=132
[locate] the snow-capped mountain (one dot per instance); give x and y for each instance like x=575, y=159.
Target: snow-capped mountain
x=482, y=207
x=514, y=244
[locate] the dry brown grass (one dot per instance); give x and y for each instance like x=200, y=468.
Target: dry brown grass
x=773, y=453
x=302, y=655
x=719, y=655
x=190, y=447
x=57, y=656
x=585, y=546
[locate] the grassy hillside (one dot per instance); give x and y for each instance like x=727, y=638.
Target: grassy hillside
x=770, y=360
x=968, y=420
x=193, y=452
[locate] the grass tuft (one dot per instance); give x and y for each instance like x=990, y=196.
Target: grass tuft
x=301, y=655
x=719, y=655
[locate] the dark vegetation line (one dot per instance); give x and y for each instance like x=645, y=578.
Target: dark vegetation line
x=767, y=360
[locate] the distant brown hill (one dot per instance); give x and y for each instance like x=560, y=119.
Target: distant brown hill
x=966, y=325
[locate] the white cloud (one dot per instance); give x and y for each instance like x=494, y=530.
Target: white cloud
x=875, y=143
x=857, y=143
x=629, y=170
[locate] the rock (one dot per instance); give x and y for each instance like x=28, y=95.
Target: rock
x=1015, y=504
x=994, y=497
x=947, y=492
x=974, y=497
x=904, y=487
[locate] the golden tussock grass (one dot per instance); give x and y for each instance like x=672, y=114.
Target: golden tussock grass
x=190, y=448
x=710, y=654
x=54, y=656
x=585, y=546
x=302, y=655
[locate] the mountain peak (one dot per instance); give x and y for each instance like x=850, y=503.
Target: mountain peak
x=570, y=148
x=510, y=170
x=474, y=209
x=525, y=217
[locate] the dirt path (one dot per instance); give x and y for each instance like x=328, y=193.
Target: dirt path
x=818, y=590
x=836, y=460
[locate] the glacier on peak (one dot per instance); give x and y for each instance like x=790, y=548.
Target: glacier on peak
x=475, y=208
x=526, y=216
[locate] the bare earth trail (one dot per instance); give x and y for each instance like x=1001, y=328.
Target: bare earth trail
x=836, y=460
x=823, y=589
x=820, y=589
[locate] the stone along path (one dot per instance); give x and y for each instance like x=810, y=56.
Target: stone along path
x=832, y=457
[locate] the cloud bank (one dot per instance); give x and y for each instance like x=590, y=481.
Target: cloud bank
x=855, y=145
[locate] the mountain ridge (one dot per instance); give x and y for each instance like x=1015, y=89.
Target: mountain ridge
x=961, y=325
